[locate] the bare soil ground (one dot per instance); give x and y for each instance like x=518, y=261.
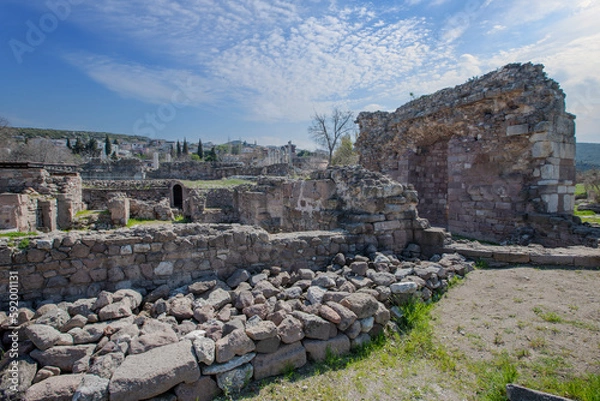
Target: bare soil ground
x=527, y=312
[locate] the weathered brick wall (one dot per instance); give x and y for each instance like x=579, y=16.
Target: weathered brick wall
x=484, y=156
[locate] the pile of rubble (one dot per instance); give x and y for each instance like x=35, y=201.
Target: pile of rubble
x=195, y=341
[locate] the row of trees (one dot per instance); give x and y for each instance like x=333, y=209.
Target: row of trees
x=182, y=152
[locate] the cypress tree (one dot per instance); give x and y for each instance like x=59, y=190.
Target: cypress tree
x=107, y=146
x=200, y=150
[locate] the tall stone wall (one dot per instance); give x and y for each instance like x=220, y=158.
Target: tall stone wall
x=484, y=156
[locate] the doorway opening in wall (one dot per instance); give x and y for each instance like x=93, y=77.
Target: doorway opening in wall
x=178, y=196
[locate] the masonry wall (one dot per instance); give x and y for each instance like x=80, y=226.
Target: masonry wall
x=49, y=199
x=96, y=193
x=192, y=170
x=351, y=199
x=122, y=169
x=76, y=265
x=484, y=156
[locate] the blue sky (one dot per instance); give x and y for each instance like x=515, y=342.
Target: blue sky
x=257, y=70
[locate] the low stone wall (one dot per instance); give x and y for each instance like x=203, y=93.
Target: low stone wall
x=70, y=266
x=575, y=256
x=122, y=169
x=97, y=193
x=212, y=335
x=193, y=171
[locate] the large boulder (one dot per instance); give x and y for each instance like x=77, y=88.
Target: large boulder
x=290, y=330
x=154, y=372
x=314, y=326
x=92, y=388
x=56, y=388
x=204, y=389
x=235, y=343
x=362, y=304
x=286, y=357
x=42, y=336
x=63, y=357
x=317, y=350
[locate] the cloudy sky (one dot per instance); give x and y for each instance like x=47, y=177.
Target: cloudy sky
x=257, y=70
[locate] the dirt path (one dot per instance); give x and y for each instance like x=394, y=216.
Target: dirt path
x=529, y=313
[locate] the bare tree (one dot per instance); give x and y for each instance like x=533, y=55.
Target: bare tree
x=327, y=130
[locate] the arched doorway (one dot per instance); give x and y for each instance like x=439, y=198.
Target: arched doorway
x=177, y=196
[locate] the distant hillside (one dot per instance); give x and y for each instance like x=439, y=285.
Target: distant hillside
x=588, y=156
x=62, y=134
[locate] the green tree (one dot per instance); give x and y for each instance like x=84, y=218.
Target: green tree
x=212, y=155
x=107, y=146
x=345, y=155
x=200, y=151
x=79, y=147
x=69, y=146
x=326, y=130
x=178, y=149
x=91, y=148
x=185, y=149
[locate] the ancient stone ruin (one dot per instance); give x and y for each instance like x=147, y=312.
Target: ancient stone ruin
x=37, y=196
x=293, y=268
x=224, y=328
x=492, y=159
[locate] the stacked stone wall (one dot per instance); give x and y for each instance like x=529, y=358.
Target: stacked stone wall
x=122, y=169
x=48, y=198
x=71, y=266
x=214, y=334
x=97, y=193
x=483, y=155
x=351, y=199
x=213, y=171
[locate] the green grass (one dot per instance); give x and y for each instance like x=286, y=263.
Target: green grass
x=580, y=190
x=587, y=216
x=492, y=377
x=138, y=222
x=215, y=184
x=17, y=234
x=550, y=317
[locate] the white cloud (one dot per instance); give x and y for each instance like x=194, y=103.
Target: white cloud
x=281, y=60
x=152, y=85
x=496, y=28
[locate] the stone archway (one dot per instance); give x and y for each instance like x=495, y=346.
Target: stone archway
x=177, y=196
